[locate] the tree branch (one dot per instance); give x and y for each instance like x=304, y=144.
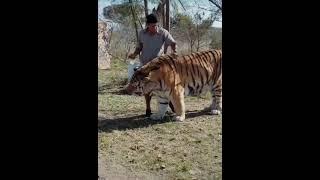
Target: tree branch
x=182, y=5
x=205, y=9
x=216, y=4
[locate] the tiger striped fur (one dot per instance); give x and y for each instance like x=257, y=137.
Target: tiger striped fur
x=171, y=77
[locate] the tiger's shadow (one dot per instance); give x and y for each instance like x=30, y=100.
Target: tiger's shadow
x=106, y=89
x=139, y=121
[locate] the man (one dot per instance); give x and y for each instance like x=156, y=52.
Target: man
x=152, y=42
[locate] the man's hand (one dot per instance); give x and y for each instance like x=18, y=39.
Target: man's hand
x=173, y=48
x=132, y=56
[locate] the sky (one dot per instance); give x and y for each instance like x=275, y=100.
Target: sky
x=191, y=6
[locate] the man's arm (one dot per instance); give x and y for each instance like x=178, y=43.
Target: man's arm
x=173, y=47
x=136, y=51
x=169, y=41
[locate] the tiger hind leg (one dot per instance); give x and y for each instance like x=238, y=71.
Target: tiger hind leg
x=216, y=106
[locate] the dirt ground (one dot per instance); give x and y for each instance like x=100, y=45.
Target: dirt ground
x=134, y=147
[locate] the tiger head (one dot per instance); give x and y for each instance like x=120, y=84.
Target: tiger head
x=141, y=84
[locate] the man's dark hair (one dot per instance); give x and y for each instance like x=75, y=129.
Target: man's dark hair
x=151, y=18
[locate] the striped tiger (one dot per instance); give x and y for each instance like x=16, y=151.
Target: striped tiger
x=171, y=77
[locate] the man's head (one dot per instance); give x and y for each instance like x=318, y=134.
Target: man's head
x=152, y=23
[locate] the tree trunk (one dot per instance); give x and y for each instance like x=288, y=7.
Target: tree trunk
x=167, y=24
x=134, y=19
x=163, y=14
x=198, y=38
x=103, y=55
x=146, y=7
x=160, y=13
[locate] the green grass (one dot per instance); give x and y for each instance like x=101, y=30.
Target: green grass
x=135, y=145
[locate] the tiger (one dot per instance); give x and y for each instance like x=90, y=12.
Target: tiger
x=172, y=77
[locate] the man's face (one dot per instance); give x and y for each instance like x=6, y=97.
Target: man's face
x=152, y=27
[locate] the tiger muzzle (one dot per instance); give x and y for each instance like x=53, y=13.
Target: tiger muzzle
x=130, y=89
